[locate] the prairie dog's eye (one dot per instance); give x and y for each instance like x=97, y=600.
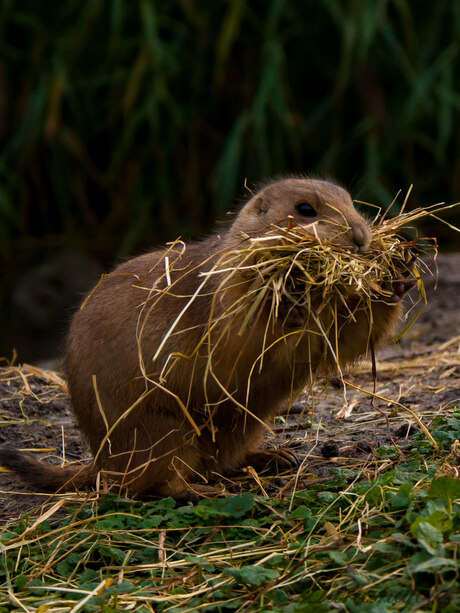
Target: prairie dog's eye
x=306, y=209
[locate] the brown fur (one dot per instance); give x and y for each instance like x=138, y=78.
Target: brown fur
x=113, y=338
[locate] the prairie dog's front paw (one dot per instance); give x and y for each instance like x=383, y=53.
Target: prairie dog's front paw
x=292, y=316
x=398, y=286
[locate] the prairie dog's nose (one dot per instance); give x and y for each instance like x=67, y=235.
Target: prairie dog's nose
x=361, y=237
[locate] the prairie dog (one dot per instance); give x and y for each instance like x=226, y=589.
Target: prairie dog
x=156, y=417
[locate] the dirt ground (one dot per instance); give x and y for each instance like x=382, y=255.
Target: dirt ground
x=421, y=372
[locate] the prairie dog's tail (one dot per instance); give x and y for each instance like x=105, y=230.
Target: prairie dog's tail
x=44, y=477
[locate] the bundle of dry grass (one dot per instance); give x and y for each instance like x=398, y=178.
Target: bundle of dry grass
x=291, y=264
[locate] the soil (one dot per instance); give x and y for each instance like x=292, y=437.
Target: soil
x=420, y=373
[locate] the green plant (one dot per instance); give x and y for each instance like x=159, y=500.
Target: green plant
x=145, y=118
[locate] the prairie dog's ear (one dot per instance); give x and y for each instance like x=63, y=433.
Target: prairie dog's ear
x=260, y=205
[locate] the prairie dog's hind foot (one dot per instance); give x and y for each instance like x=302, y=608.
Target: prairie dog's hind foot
x=191, y=492
x=280, y=458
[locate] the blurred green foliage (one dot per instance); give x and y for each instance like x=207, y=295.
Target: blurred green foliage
x=127, y=122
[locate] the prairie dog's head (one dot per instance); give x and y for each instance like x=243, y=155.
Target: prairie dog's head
x=323, y=207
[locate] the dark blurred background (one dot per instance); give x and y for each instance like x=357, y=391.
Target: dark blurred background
x=124, y=124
